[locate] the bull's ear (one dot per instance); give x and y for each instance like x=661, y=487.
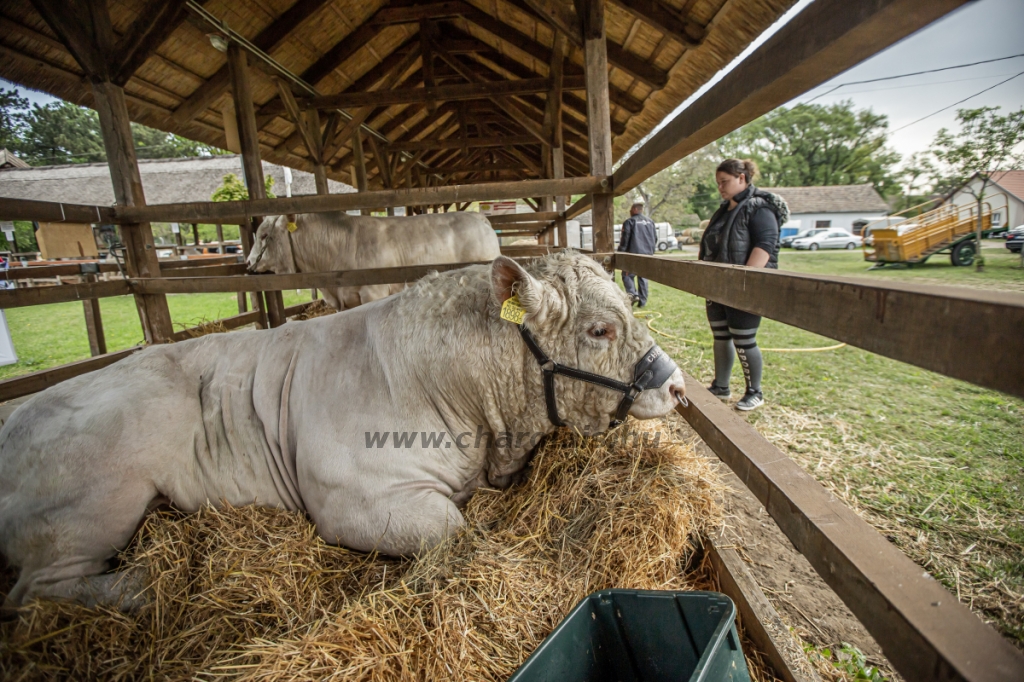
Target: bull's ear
x=508, y=277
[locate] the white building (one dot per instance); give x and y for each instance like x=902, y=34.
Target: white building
x=850, y=207
x=1004, y=193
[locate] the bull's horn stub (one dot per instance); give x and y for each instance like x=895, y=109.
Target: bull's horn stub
x=512, y=311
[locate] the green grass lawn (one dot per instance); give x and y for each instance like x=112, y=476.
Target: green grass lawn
x=936, y=464
x=49, y=335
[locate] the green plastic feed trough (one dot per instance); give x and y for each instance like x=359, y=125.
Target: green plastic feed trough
x=642, y=635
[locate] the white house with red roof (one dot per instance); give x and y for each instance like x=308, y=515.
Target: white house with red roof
x=1005, y=193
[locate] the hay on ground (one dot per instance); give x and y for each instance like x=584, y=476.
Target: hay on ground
x=317, y=308
x=250, y=593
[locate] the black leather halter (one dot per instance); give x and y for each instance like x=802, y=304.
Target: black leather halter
x=650, y=371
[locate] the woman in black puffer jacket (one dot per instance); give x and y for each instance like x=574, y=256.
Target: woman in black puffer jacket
x=743, y=231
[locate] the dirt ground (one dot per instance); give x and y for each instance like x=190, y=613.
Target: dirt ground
x=805, y=603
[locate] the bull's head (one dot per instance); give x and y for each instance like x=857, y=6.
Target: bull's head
x=581, y=319
x=271, y=249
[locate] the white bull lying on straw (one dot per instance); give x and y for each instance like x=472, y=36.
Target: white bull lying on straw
x=329, y=242
x=287, y=418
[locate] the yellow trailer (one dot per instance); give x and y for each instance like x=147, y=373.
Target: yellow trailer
x=950, y=228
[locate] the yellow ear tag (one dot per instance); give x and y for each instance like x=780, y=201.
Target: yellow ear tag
x=512, y=311
x=292, y=227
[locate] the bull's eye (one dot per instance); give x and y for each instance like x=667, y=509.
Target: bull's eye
x=599, y=331
x=602, y=331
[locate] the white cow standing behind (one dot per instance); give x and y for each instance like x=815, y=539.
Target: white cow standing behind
x=329, y=242
x=291, y=418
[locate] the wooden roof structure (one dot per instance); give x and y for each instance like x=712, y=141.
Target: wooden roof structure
x=444, y=92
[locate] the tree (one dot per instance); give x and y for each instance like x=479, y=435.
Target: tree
x=233, y=189
x=151, y=143
x=986, y=144
x=668, y=195
x=12, y=118
x=61, y=132
x=814, y=144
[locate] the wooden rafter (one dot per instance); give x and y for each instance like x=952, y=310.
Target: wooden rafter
x=652, y=12
x=158, y=19
x=527, y=44
x=268, y=39
x=473, y=90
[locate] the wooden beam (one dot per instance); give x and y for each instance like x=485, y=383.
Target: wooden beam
x=75, y=27
x=921, y=325
x=342, y=50
x=360, y=116
x=245, y=113
x=267, y=40
x=553, y=110
x=598, y=116
x=284, y=90
x=924, y=631
x=153, y=25
x=53, y=212
x=29, y=296
x=383, y=163
x=506, y=104
x=302, y=280
x=140, y=254
x=460, y=143
x=825, y=39
x=527, y=44
x=27, y=384
x=428, y=32
x=416, y=13
x=226, y=211
x=522, y=217
x=684, y=31
x=462, y=91
x=560, y=16
x=636, y=67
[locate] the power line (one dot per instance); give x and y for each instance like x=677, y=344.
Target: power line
x=960, y=102
x=915, y=73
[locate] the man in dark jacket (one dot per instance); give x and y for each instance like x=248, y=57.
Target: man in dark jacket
x=638, y=236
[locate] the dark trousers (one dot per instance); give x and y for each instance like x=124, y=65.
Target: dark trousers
x=631, y=288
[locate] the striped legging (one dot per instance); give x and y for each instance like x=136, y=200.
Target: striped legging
x=732, y=327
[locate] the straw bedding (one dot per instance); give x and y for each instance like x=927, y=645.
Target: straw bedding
x=251, y=593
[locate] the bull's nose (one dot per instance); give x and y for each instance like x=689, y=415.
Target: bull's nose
x=678, y=390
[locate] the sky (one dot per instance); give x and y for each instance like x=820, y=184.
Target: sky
x=981, y=30
x=978, y=31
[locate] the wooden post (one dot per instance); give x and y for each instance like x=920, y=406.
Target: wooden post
x=195, y=233
x=220, y=240
x=360, y=158
x=247, y=133
x=178, y=241
x=316, y=154
x=140, y=250
x=558, y=168
x=94, y=323
x=598, y=117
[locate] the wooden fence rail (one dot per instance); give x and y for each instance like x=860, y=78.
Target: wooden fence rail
x=924, y=631
x=969, y=334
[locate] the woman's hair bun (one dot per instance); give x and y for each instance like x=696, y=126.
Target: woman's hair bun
x=736, y=167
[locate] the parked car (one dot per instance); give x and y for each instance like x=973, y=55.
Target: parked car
x=666, y=237
x=787, y=242
x=832, y=238
x=1015, y=241
x=1010, y=233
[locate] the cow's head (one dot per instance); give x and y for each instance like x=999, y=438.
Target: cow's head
x=272, y=249
x=581, y=319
